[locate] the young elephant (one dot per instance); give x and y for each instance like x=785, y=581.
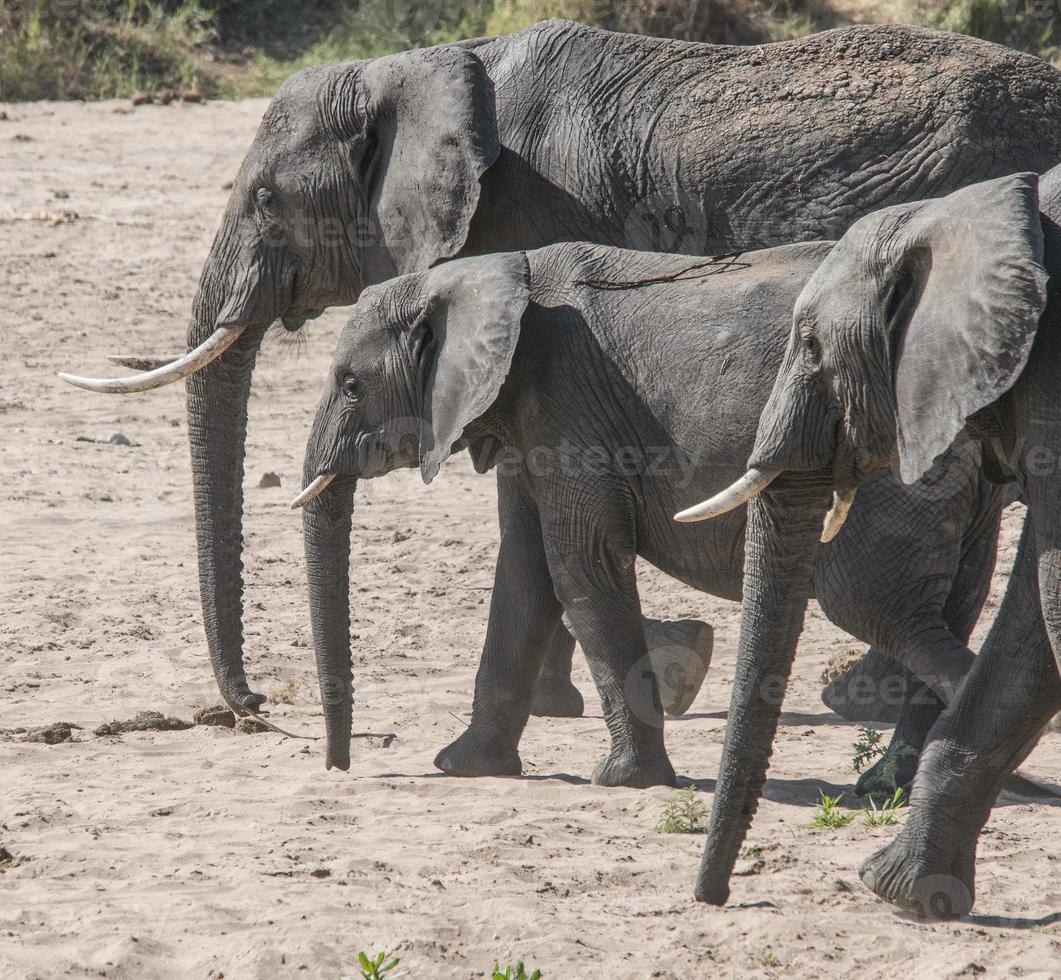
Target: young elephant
x=929, y=323
x=605, y=385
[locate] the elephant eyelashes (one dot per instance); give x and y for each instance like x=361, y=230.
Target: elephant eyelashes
x=350, y=389
x=264, y=197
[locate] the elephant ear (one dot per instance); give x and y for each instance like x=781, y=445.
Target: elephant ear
x=963, y=290
x=467, y=332
x=432, y=116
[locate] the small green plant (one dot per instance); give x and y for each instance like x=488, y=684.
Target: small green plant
x=751, y=851
x=379, y=967
x=517, y=972
x=768, y=959
x=887, y=814
x=868, y=748
x=684, y=814
x=828, y=816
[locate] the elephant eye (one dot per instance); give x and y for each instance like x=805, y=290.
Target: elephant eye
x=264, y=196
x=810, y=346
x=350, y=387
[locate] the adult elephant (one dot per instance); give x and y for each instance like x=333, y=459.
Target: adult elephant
x=927, y=324
x=366, y=169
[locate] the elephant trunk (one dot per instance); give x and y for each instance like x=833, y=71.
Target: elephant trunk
x=326, y=522
x=781, y=546
x=217, y=430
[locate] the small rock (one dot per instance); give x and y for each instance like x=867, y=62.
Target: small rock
x=269, y=480
x=141, y=98
x=842, y=886
x=218, y=715
x=7, y=859
x=61, y=731
x=251, y=726
x=398, y=537
x=321, y=873
x=163, y=811
x=3, y=115
x=191, y=95
x=746, y=868
x=61, y=195
x=145, y=721
x=22, y=138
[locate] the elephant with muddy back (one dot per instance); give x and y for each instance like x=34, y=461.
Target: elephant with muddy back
x=605, y=385
x=928, y=326
x=368, y=169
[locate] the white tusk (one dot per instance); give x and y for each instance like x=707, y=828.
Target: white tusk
x=754, y=482
x=137, y=362
x=316, y=488
x=210, y=349
x=834, y=520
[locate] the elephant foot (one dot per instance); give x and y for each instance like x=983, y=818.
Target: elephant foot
x=871, y=689
x=476, y=755
x=680, y=653
x=626, y=769
x=936, y=887
x=556, y=697
x=894, y=770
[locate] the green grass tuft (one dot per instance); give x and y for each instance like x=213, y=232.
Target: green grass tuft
x=683, y=814
x=828, y=816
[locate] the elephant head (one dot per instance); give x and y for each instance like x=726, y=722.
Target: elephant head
x=359, y=171
x=920, y=317
x=421, y=359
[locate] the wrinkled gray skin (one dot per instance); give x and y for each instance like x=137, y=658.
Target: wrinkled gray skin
x=927, y=325
x=363, y=170
x=607, y=386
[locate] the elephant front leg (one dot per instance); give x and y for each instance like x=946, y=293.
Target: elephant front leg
x=1011, y=692
x=524, y=616
x=591, y=557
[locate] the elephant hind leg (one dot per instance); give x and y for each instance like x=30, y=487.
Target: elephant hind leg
x=555, y=696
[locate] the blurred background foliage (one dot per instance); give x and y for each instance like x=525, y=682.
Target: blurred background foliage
x=92, y=49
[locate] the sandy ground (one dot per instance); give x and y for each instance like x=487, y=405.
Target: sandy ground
x=205, y=852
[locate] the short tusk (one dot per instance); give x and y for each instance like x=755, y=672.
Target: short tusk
x=316, y=488
x=136, y=362
x=754, y=482
x=834, y=520
x=210, y=349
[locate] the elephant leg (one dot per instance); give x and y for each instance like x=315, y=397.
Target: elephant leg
x=680, y=652
x=554, y=694
x=921, y=707
x=592, y=558
x=1010, y=693
x=524, y=614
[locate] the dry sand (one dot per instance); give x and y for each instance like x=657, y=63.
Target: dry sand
x=205, y=852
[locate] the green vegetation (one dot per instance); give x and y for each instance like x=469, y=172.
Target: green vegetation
x=769, y=959
x=683, y=814
x=61, y=49
x=379, y=968
x=887, y=813
x=827, y=816
x=517, y=972
x=868, y=748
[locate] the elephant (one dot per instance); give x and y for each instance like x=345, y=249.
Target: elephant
x=561, y=132
x=604, y=385
x=929, y=326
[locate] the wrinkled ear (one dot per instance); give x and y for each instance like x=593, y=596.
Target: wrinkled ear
x=432, y=117
x=473, y=312
x=963, y=289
